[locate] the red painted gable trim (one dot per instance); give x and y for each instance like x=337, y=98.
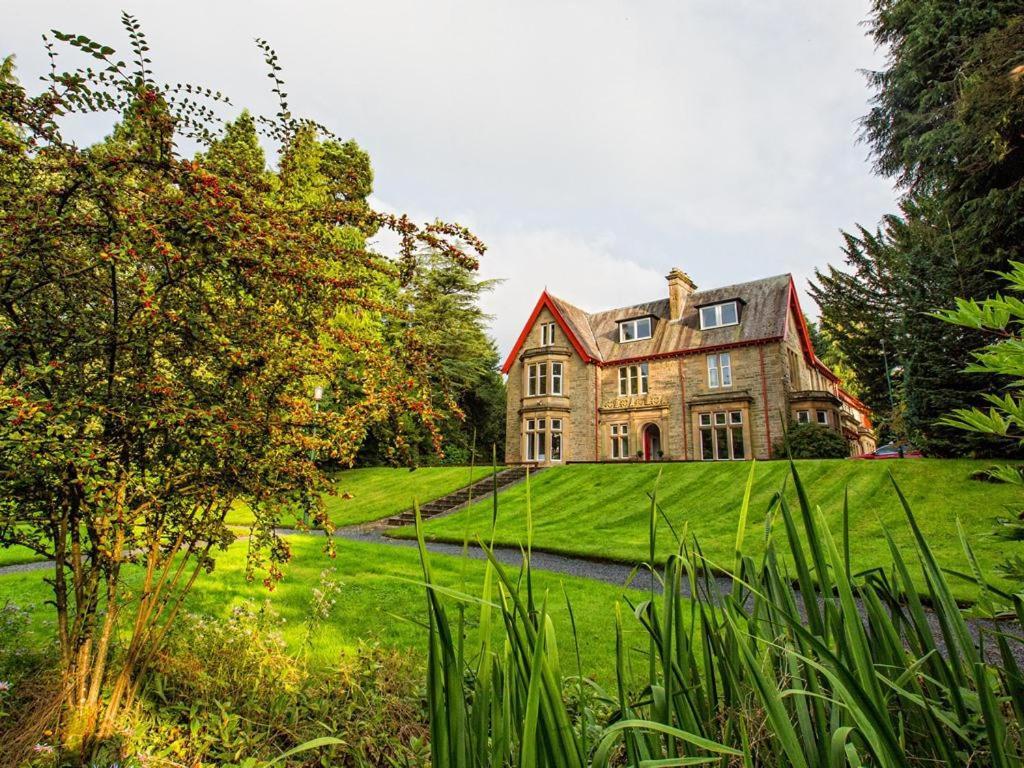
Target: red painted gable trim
x=544, y=302
x=805, y=334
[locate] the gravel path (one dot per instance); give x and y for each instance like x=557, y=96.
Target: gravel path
x=38, y=565
x=610, y=573
x=619, y=575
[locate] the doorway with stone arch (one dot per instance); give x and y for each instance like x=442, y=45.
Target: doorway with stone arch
x=652, y=442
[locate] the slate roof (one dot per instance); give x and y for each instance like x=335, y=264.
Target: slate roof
x=764, y=305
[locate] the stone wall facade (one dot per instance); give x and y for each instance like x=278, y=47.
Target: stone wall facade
x=678, y=399
x=675, y=410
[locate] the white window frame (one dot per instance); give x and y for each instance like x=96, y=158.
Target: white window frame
x=547, y=334
x=536, y=440
x=634, y=377
x=818, y=417
x=803, y=417
x=620, y=441
x=557, y=378
x=719, y=370
x=717, y=310
x=731, y=422
x=555, y=440
x=635, y=325
x=537, y=380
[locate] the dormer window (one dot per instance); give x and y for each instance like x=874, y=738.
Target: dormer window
x=635, y=330
x=718, y=315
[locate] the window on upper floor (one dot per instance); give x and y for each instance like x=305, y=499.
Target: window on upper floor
x=537, y=379
x=635, y=330
x=718, y=315
x=556, y=378
x=633, y=380
x=794, y=369
x=803, y=417
x=544, y=378
x=823, y=417
x=720, y=370
x=547, y=334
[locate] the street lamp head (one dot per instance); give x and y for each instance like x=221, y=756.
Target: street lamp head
x=318, y=393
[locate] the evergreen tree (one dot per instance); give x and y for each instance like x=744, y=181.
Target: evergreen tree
x=444, y=302
x=947, y=123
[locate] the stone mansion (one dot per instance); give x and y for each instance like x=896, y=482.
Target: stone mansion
x=700, y=375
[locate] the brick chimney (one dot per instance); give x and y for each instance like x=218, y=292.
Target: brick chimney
x=680, y=286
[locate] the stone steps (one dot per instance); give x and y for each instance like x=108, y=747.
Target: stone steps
x=478, y=490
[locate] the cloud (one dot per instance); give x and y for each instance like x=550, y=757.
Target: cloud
x=593, y=144
x=583, y=271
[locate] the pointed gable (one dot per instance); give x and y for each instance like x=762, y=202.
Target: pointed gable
x=795, y=315
x=573, y=322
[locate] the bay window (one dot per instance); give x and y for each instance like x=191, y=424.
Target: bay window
x=536, y=432
x=540, y=435
x=556, y=378
x=544, y=378
x=721, y=436
x=537, y=379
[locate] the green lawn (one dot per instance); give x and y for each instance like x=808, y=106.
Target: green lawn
x=601, y=510
x=380, y=600
x=370, y=494
x=17, y=555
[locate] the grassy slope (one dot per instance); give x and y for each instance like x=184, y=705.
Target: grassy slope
x=375, y=493
x=17, y=555
x=380, y=600
x=378, y=492
x=601, y=510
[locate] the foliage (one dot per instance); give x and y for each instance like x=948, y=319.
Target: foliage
x=752, y=675
x=834, y=357
x=444, y=302
x=1002, y=319
x=227, y=692
x=946, y=122
x=163, y=321
x=812, y=441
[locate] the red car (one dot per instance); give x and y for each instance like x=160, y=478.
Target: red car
x=892, y=451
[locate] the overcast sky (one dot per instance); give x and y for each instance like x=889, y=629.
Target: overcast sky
x=592, y=145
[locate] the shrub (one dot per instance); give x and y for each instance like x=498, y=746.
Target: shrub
x=811, y=441
x=226, y=691
x=752, y=674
